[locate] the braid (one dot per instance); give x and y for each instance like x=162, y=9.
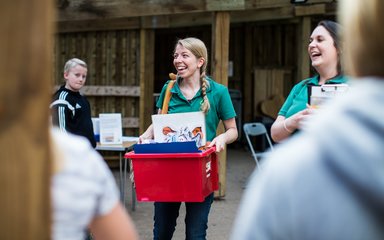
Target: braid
x=205, y=103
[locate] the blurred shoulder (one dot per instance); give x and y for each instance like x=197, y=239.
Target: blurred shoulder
x=75, y=150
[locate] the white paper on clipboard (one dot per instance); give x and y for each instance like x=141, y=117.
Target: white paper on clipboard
x=320, y=94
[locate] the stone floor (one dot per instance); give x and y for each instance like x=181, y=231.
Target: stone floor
x=240, y=165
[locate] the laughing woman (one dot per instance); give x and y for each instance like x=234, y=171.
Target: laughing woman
x=194, y=91
x=324, y=51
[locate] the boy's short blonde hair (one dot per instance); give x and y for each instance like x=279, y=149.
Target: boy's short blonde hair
x=71, y=63
x=364, y=38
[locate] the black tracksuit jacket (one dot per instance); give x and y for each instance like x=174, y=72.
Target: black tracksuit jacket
x=71, y=112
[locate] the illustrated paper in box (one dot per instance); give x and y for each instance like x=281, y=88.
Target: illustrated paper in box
x=110, y=128
x=180, y=127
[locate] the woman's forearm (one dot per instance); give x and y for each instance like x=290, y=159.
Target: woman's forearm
x=282, y=128
x=231, y=135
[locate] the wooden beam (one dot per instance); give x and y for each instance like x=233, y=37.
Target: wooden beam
x=189, y=19
x=130, y=122
x=225, y=5
x=281, y=3
x=303, y=63
x=307, y=10
x=80, y=10
x=113, y=91
x=220, y=46
x=267, y=3
x=89, y=10
x=126, y=91
x=198, y=18
x=147, y=49
x=99, y=25
x=316, y=9
x=262, y=14
x=156, y=21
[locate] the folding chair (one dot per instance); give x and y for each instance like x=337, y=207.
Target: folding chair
x=256, y=129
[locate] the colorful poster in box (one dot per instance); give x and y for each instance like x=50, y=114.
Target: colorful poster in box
x=111, y=131
x=180, y=127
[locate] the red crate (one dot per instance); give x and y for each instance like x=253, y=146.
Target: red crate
x=176, y=177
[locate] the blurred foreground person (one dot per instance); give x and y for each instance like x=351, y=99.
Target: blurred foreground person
x=26, y=34
x=82, y=191
x=333, y=188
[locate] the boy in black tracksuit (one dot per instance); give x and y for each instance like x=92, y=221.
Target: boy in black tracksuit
x=71, y=111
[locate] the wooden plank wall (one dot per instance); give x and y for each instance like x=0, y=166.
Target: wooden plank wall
x=270, y=46
x=269, y=84
x=113, y=61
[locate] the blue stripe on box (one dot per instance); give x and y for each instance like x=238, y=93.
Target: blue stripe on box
x=173, y=147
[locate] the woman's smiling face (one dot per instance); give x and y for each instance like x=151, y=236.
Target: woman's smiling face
x=186, y=63
x=321, y=49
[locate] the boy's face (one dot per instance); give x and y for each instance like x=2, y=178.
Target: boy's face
x=75, y=78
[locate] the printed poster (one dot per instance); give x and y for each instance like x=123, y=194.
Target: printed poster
x=111, y=131
x=180, y=127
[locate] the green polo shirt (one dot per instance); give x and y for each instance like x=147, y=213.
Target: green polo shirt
x=298, y=97
x=219, y=100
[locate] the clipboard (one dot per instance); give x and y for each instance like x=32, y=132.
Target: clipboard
x=317, y=95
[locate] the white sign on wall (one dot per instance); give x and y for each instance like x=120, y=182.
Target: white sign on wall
x=110, y=128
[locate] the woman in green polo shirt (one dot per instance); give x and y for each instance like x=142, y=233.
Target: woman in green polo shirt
x=324, y=51
x=194, y=91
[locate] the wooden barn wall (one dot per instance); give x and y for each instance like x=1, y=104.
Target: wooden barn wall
x=263, y=54
x=270, y=59
x=264, y=57
x=113, y=60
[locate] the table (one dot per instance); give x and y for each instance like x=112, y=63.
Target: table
x=126, y=146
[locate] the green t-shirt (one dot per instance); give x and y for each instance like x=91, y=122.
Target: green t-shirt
x=298, y=97
x=219, y=100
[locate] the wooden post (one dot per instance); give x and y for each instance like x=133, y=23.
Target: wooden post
x=25, y=94
x=303, y=64
x=147, y=49
x=248, y=77
x=219, y=69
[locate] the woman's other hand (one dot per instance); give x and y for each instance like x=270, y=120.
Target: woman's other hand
x=219, y=142
x=229, y=136
x=284, y=127
x=147, y=135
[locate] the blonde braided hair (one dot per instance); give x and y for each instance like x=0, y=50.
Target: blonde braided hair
x=205, y=106
x=198, y=48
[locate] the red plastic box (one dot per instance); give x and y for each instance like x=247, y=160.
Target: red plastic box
x=176, y=177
